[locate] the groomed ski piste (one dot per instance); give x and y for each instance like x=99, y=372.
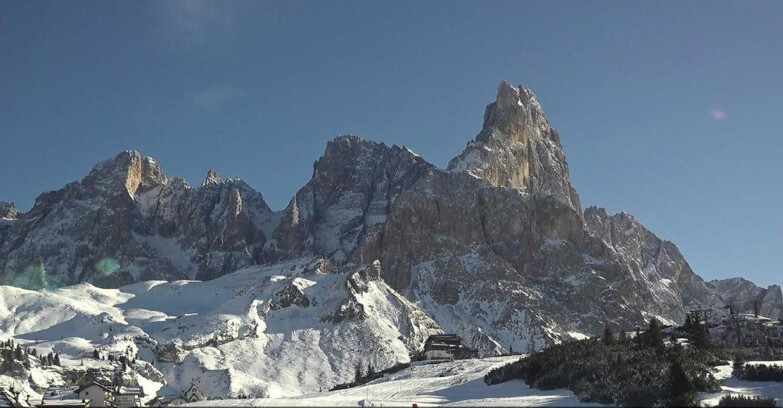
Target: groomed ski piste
x=461, y=383
x=452, y=383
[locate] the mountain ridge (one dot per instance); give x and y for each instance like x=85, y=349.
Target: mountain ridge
x=496, y=246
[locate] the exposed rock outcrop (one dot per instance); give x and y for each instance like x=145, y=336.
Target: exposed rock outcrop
x=126, y=221
x=740, y=294
x=517, y=147
x=8, y=210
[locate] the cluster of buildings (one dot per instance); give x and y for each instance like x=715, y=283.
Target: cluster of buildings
x=95, y=394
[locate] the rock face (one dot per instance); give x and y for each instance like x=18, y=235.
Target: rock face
x=495, y=248
x=741, y=293
x=518, y=148
x=340, y=213
x=126, y=221
x=653, y=261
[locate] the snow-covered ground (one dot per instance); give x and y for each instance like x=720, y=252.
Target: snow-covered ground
x=461, y=383
x=733, y=386
x=457, y=383
x=276, y=331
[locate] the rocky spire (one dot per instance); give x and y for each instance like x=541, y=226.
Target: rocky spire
x=212, y=178
x=518, y=148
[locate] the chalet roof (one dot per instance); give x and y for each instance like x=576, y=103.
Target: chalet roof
x=88, y=385
x=61, y=393
x=164, y=398
x=130, y=391
x=445, y=336
x=66, y=403
x=452, y=340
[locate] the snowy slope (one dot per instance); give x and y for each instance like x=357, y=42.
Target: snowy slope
x=458, y=383
x=262, y=331
x=461, y=383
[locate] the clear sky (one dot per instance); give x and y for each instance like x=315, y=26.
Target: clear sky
x=670, y=111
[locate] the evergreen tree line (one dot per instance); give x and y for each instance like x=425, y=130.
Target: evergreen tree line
x=747, y=401
x=12, y=352
x=759, y=372
x=641, y=371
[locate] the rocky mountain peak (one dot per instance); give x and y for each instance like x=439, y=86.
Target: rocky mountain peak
x=518, y=148
x=212, y=178
x=8, y=210
x=130, y=170
x=516, y=113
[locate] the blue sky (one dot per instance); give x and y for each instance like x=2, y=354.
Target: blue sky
x=667, y=110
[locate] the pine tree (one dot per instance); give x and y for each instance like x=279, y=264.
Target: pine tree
x=739, y=366
x=96, y=355
x=358, y=372
x=57, y=360
x=18, y=354
x=608, y=336
x=654, y=336
x=370, y=371
x=682, y=392
x=35, y=353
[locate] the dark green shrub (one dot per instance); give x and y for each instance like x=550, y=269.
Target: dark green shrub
x=743, y=401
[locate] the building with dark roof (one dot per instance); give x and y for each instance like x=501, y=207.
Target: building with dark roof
x=447, y=347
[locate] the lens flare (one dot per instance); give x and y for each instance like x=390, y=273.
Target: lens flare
x=32, y=277
x=718, y=114
x=107, y=266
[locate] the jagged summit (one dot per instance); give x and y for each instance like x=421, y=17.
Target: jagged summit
x=515, y=112
x=212, y=178
x=128, y=169
x=518, y=148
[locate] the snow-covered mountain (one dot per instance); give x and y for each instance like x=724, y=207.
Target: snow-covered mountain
x=299, y=326
x=495, y=248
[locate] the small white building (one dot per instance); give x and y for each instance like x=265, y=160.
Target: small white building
x=99, y=395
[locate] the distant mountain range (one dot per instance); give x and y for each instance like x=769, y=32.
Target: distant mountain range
x=496, y=247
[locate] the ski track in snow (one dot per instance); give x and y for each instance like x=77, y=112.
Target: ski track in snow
x=457, y=383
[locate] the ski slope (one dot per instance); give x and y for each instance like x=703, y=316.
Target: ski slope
x=457, y=383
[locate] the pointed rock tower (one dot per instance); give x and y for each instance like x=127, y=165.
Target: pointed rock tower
x=518, y=148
